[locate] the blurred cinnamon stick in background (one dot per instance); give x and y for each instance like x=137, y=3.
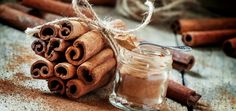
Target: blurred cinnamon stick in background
x=98, y=2
x=186, y=25
x=56, y=7
x=18, y=19
x=229, y=47
x=207, y=38
x=34, y=12
x=182, y=61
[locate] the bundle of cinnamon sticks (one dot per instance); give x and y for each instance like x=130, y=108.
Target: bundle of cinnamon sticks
x=78, y=61
x=208, y=32
x=77, y=58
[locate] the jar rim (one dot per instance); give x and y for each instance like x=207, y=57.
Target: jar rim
x=164, y=52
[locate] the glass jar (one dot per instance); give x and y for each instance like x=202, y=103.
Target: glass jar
x=142, y=78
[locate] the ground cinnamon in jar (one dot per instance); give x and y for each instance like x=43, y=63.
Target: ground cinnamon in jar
x=142, y=78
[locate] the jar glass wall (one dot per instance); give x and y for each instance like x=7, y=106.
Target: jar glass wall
x=142, y=78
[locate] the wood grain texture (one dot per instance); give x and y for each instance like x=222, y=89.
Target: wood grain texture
x=18, y=91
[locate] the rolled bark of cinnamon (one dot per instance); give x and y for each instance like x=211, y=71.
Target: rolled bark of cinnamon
x=55, y=49
x=72, y=29
x=18, y=7
x=182, y=61
x=65, y=70
x=76, y=88
x=103, y=2
x=42, y=69
x=39, y=47
x=85, y=47
x=98, y=2
x=18, y=19
x=207, y=38
x=229, y=47
x=182, y=94
x=85, y=70
x=56, y=85
x=40, y=14
x=56, y=7
x=49, y=31
x=186, y=25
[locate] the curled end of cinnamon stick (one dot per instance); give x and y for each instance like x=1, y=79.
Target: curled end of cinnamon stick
x=56, y=85
x=55, y=48
x=85, y=75
x=39, y=47
x=187, y=39
x=58, y=44
x=74, y=55
x=64, y=70
x=66, y=28
x=48, y=31
x=52, y=55
x=229, y=47
x=72, y=29
x=42, y=69
x=74, y=88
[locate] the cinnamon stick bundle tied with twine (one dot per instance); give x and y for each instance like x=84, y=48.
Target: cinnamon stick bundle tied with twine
x=92, y=72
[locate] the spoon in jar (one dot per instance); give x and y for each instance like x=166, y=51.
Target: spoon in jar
x=177, y=48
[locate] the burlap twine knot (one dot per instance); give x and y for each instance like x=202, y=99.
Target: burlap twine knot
x=103, y=25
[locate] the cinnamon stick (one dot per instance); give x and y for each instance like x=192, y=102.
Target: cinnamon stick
x=207, y=38
x=39, y=47
x=72, y=29
x=18, y=19
x=229, y=47
x=182, y=94
x=186, y=25
x=85, y=70
x=98, y=2
x=56, y=85
x=100, y=77
x=55, y=49
x=85, y=47
x=182, y=61
x=55, y=7
x=103, y=2
x=49, y=31
x=40, y=14
x=42, y=69
x=65, y=70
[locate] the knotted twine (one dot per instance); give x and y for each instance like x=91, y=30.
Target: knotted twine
x=102, y=25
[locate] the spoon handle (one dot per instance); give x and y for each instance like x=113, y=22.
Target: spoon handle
x=177, y=48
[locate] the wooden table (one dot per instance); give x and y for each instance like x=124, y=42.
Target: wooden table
x=212, y=76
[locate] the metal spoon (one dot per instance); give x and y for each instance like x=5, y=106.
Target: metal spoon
x=177, y=48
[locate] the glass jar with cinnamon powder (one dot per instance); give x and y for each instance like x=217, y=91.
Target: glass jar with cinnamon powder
x=142, y=78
